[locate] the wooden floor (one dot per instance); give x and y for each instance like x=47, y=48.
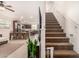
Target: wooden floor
x=13, y=45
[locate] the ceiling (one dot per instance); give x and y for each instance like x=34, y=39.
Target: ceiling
x=26, y=11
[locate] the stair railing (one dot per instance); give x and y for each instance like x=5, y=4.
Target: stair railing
x=39, y=30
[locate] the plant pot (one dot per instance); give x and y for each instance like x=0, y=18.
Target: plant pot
x=30, y=55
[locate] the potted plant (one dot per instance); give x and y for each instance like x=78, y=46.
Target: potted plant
x=32, y=48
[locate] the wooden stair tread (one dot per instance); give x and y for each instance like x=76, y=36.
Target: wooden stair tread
x=53, y=29
x=58, y=44
x=51, y=20
x=52, y=23
x=53, y=26
x=56, y=37
x=55, y=33
x=65, y=52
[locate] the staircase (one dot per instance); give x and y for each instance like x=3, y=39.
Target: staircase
x=55, y=37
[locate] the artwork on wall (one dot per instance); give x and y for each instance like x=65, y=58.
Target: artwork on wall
x=4, y=24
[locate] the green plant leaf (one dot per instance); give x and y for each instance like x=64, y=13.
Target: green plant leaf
x=32, y=48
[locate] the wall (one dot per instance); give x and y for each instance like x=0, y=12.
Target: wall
x=27, y=9
x=6, y=17
x=67, y=15
x=49, y=4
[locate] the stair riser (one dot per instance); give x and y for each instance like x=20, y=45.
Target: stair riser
x=54, y=30
x=51, y=19
x=57, y=40
x=60, y=56
x=56, y=24
x=53, y=27
x=51, y=22
x=70, y=47
x=66, y=56
x=55, y=35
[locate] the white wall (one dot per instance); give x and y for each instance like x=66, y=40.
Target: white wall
x=49, y=4
x=67, y=15
x=6, y=17
x=27, y=9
